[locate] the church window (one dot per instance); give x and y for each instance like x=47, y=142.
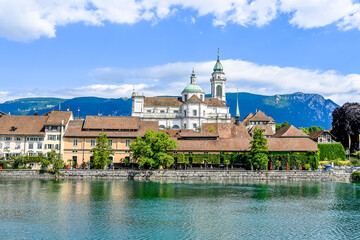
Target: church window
x=162, y=111
x=194, y=125
x=204, y=113
x=218, y=91
x=176, y=111
x=184, y=113
x=184, y=125
x=194, y=112
x=161, y=127
x=176, y=127
x=185, y=97
x=202, y=97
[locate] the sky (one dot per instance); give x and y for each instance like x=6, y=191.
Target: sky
x=107, y=48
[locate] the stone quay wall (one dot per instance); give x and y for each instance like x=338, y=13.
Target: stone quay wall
x=159, y=175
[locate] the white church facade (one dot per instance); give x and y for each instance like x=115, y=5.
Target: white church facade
x=190, y=110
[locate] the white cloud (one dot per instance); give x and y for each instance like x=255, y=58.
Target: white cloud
x=172, y=78
x=25, y=20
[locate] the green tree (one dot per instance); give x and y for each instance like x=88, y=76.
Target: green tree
x=259, y=150
x=53, y=159
x=281, y=125
x=152, y=149
x=102, y=151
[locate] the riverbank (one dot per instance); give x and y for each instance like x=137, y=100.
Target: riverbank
x=336, y=176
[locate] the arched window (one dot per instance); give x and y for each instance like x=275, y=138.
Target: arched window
x=161, y=127
x=176, y=127
x=218, y=91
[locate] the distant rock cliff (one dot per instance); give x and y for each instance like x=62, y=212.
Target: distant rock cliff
x=299, y=109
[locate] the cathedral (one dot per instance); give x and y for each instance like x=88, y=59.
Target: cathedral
x=190, y=110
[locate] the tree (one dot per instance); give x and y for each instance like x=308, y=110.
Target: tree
x=152, y=149
x=259, y=149
x=346, y=122
x=102, y=151
x=53, y=159
x=281, y=125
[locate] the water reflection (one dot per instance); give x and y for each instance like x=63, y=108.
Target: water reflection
x=73, y=209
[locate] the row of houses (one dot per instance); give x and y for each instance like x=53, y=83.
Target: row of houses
x=73, y=138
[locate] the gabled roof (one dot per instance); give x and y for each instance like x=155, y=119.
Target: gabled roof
x=57, y=117
x=214, y=102
x=111, y=123
x=290, y=131
x=268, y=131
x=250, y=115
x=22, y=125
x=194, y=99
x=2, y=113
x=260, y=116
x=163, y=101
x=291, y=145
x=316, y=134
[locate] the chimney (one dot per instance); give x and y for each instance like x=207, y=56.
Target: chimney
x=67, y=109
x=36, y=113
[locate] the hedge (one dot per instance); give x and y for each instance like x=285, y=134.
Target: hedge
x=331, y=151
x=278, y=159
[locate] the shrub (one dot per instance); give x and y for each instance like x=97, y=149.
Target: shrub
x=331, y=151
x=306, y=166
x=355, y=176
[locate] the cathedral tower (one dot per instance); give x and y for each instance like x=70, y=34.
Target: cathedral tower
x=218, y=81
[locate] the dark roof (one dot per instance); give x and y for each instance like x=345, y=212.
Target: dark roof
x=163, y=101
x=2, y=113
x=111, y=123
x=316, y=134
x=290, y=131
x=22, y=125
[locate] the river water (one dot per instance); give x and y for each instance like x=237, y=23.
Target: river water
x=79, y=209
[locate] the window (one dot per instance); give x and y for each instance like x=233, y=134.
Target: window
x=204, y=113
x=0, y=138
x=176, y=111
x=18, y=138
x=57, y=146
x=110, y=142
x=7, y=138
x=127, y=151
x=39, y=146
x=185, y=97
x=75, y=142
x=49, y=146
x=162, y=111
x=7, y=145
x=148, y=111
x=74, y=151
x=185, y=113
x=92, y=142
x=202, y=97
x=0, y=145
x=17, y=146
x=195, y=112
x=31, y=146
x=185, y=125
x=127, y=143
x=195, y=125
x=53, y=137
x=218, y=91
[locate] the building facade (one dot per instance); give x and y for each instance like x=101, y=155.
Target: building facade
x=190, y=110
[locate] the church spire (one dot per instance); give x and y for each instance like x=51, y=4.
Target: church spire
x=237, y=116
x=193, y=77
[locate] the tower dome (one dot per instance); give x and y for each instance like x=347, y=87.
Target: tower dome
x=218, y=66
x=193, y=87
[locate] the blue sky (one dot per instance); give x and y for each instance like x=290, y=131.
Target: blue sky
x=102, y=48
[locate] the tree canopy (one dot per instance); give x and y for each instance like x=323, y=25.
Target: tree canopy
x=311, y=129
x=346, y=122
x=152, y=149
x=259, y=149
x=102, y=151
x=281, y=125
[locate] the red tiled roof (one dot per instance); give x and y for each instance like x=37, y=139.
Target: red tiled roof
x=260, y=116
x=227, y=130
x=290, y=131
x=291, y=145
x=194, y=99
x=250, y=115
x=111, y=123
x=268, y=131
x=163, y=101
x=57, y=117
x=76, y=129
x=23, y=125
x=214, y=102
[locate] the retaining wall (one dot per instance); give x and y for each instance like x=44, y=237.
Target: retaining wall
x=338, y=176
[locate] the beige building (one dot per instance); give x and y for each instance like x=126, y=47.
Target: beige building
x=81, y=135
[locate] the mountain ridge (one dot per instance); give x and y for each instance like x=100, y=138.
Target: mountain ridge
x=299, y=109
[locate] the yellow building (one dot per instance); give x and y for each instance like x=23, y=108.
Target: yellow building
x=80, y=137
